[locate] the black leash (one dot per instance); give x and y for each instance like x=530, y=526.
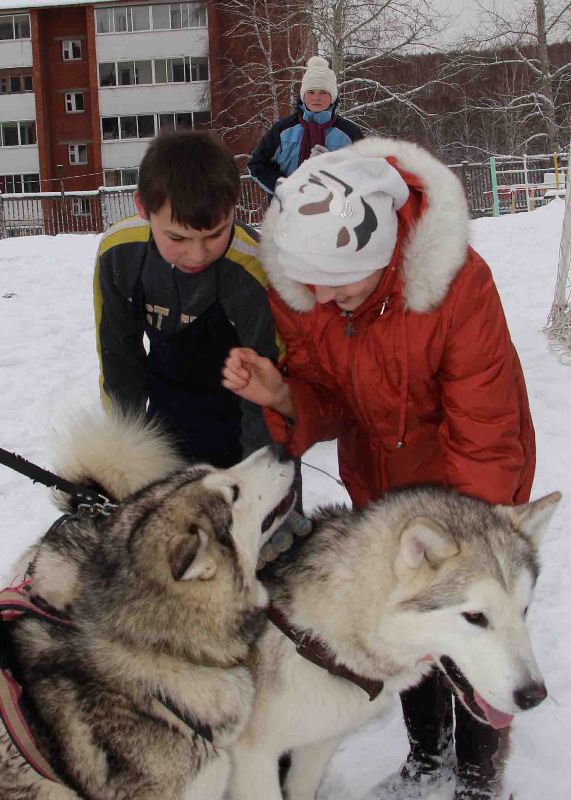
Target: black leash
x=82, y=497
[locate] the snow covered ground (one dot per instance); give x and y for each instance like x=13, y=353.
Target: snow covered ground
x=48, y=366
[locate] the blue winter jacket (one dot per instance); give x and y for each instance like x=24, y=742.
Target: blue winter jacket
x=277, y=154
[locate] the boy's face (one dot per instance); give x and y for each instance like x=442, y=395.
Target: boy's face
x=316, y=100
x=187, y=249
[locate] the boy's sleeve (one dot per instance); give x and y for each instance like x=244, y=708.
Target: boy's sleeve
x=119, y=337
x=262, y=167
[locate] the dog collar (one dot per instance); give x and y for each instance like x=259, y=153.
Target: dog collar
x=312, y=649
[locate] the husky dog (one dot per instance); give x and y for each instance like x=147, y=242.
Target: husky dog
x=139, y=697
x=424, y=579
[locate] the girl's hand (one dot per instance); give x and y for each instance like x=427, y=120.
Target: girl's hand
x=255, y=378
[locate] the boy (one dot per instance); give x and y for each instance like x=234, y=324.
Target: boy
x=187, y=275
x=315, y=127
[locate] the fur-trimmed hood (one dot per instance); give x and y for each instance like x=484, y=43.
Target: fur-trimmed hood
x=436, y=246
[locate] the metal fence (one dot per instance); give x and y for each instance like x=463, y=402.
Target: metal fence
x=509, y=184
x=92, y=212
x=504, y=184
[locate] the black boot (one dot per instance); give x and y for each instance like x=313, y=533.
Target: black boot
x=481, y=752
x=427, y=711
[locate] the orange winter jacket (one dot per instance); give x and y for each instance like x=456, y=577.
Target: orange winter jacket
x=421, y=384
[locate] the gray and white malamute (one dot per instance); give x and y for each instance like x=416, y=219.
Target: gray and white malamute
x=425, y=578
x=141, y=695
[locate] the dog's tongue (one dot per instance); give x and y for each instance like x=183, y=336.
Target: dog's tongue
x=497, y=719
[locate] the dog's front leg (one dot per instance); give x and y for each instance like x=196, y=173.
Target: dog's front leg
x=307, y=766
x=254, y=774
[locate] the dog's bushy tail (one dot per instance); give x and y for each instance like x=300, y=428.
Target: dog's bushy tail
x=117, y=452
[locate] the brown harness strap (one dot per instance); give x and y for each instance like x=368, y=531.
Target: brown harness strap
x=315, y=651
x=14, y=603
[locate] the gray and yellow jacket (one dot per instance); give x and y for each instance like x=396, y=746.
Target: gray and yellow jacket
x=191, y=322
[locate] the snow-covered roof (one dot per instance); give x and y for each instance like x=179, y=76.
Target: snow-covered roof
x=23, y=5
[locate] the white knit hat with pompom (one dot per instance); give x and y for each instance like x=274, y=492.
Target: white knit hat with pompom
x=319, y=76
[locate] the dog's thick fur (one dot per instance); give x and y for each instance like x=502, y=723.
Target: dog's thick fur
x=425, y=578
x=166, y=609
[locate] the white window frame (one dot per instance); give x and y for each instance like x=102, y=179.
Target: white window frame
x=74, y=154
x=19, y=124
x=67, y=46
x=15, y=38
x=22, y=177
x=71, y=102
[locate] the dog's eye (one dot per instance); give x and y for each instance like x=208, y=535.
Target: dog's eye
x=476, y=618
x=235, y=492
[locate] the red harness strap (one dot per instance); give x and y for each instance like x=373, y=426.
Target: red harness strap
x=14, y=603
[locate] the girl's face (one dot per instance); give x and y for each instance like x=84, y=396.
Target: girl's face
x=350, y=296
x=316, y=100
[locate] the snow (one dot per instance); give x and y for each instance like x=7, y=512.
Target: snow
x=49, y=366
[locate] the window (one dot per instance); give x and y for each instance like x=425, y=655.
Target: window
x=104, y=20
x=27, y=133
x=31, y=183
x=109, y=128
x=14, y=81
x=177, y=66
x=141, y=18
x=21, y=26
x=128, y=127
x=166, y=121
x=80, y=206
x=71, y=50
x=199, y=69
x=161, y=70
x=143, y=72
x=9, y=132
x=14, y=26
x=126, y=73
x=158, y=17
x=121, y=177
x=16, y=184
x=146, y=126
x=13, y=134
x=141, y=126
x=183, y=120
x=77, y=153
x=161, y=17
x=129, y=73
x=107, y=75
x=74, y=102
x=197, y=15
x=122, y=18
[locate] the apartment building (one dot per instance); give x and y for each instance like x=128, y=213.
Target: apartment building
x=84, y=86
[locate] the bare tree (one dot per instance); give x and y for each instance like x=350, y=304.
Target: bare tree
x=520, y=38
x=364, y=37
x=269, y=42
x=266, y=44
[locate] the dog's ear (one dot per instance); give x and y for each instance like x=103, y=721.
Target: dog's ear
x=189, y=558
x=533, y=519
x=423, y=539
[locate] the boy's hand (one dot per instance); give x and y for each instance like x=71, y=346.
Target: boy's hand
x=255, y=378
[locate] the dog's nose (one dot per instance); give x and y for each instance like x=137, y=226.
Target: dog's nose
x=279, y=452
x=530, y=696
